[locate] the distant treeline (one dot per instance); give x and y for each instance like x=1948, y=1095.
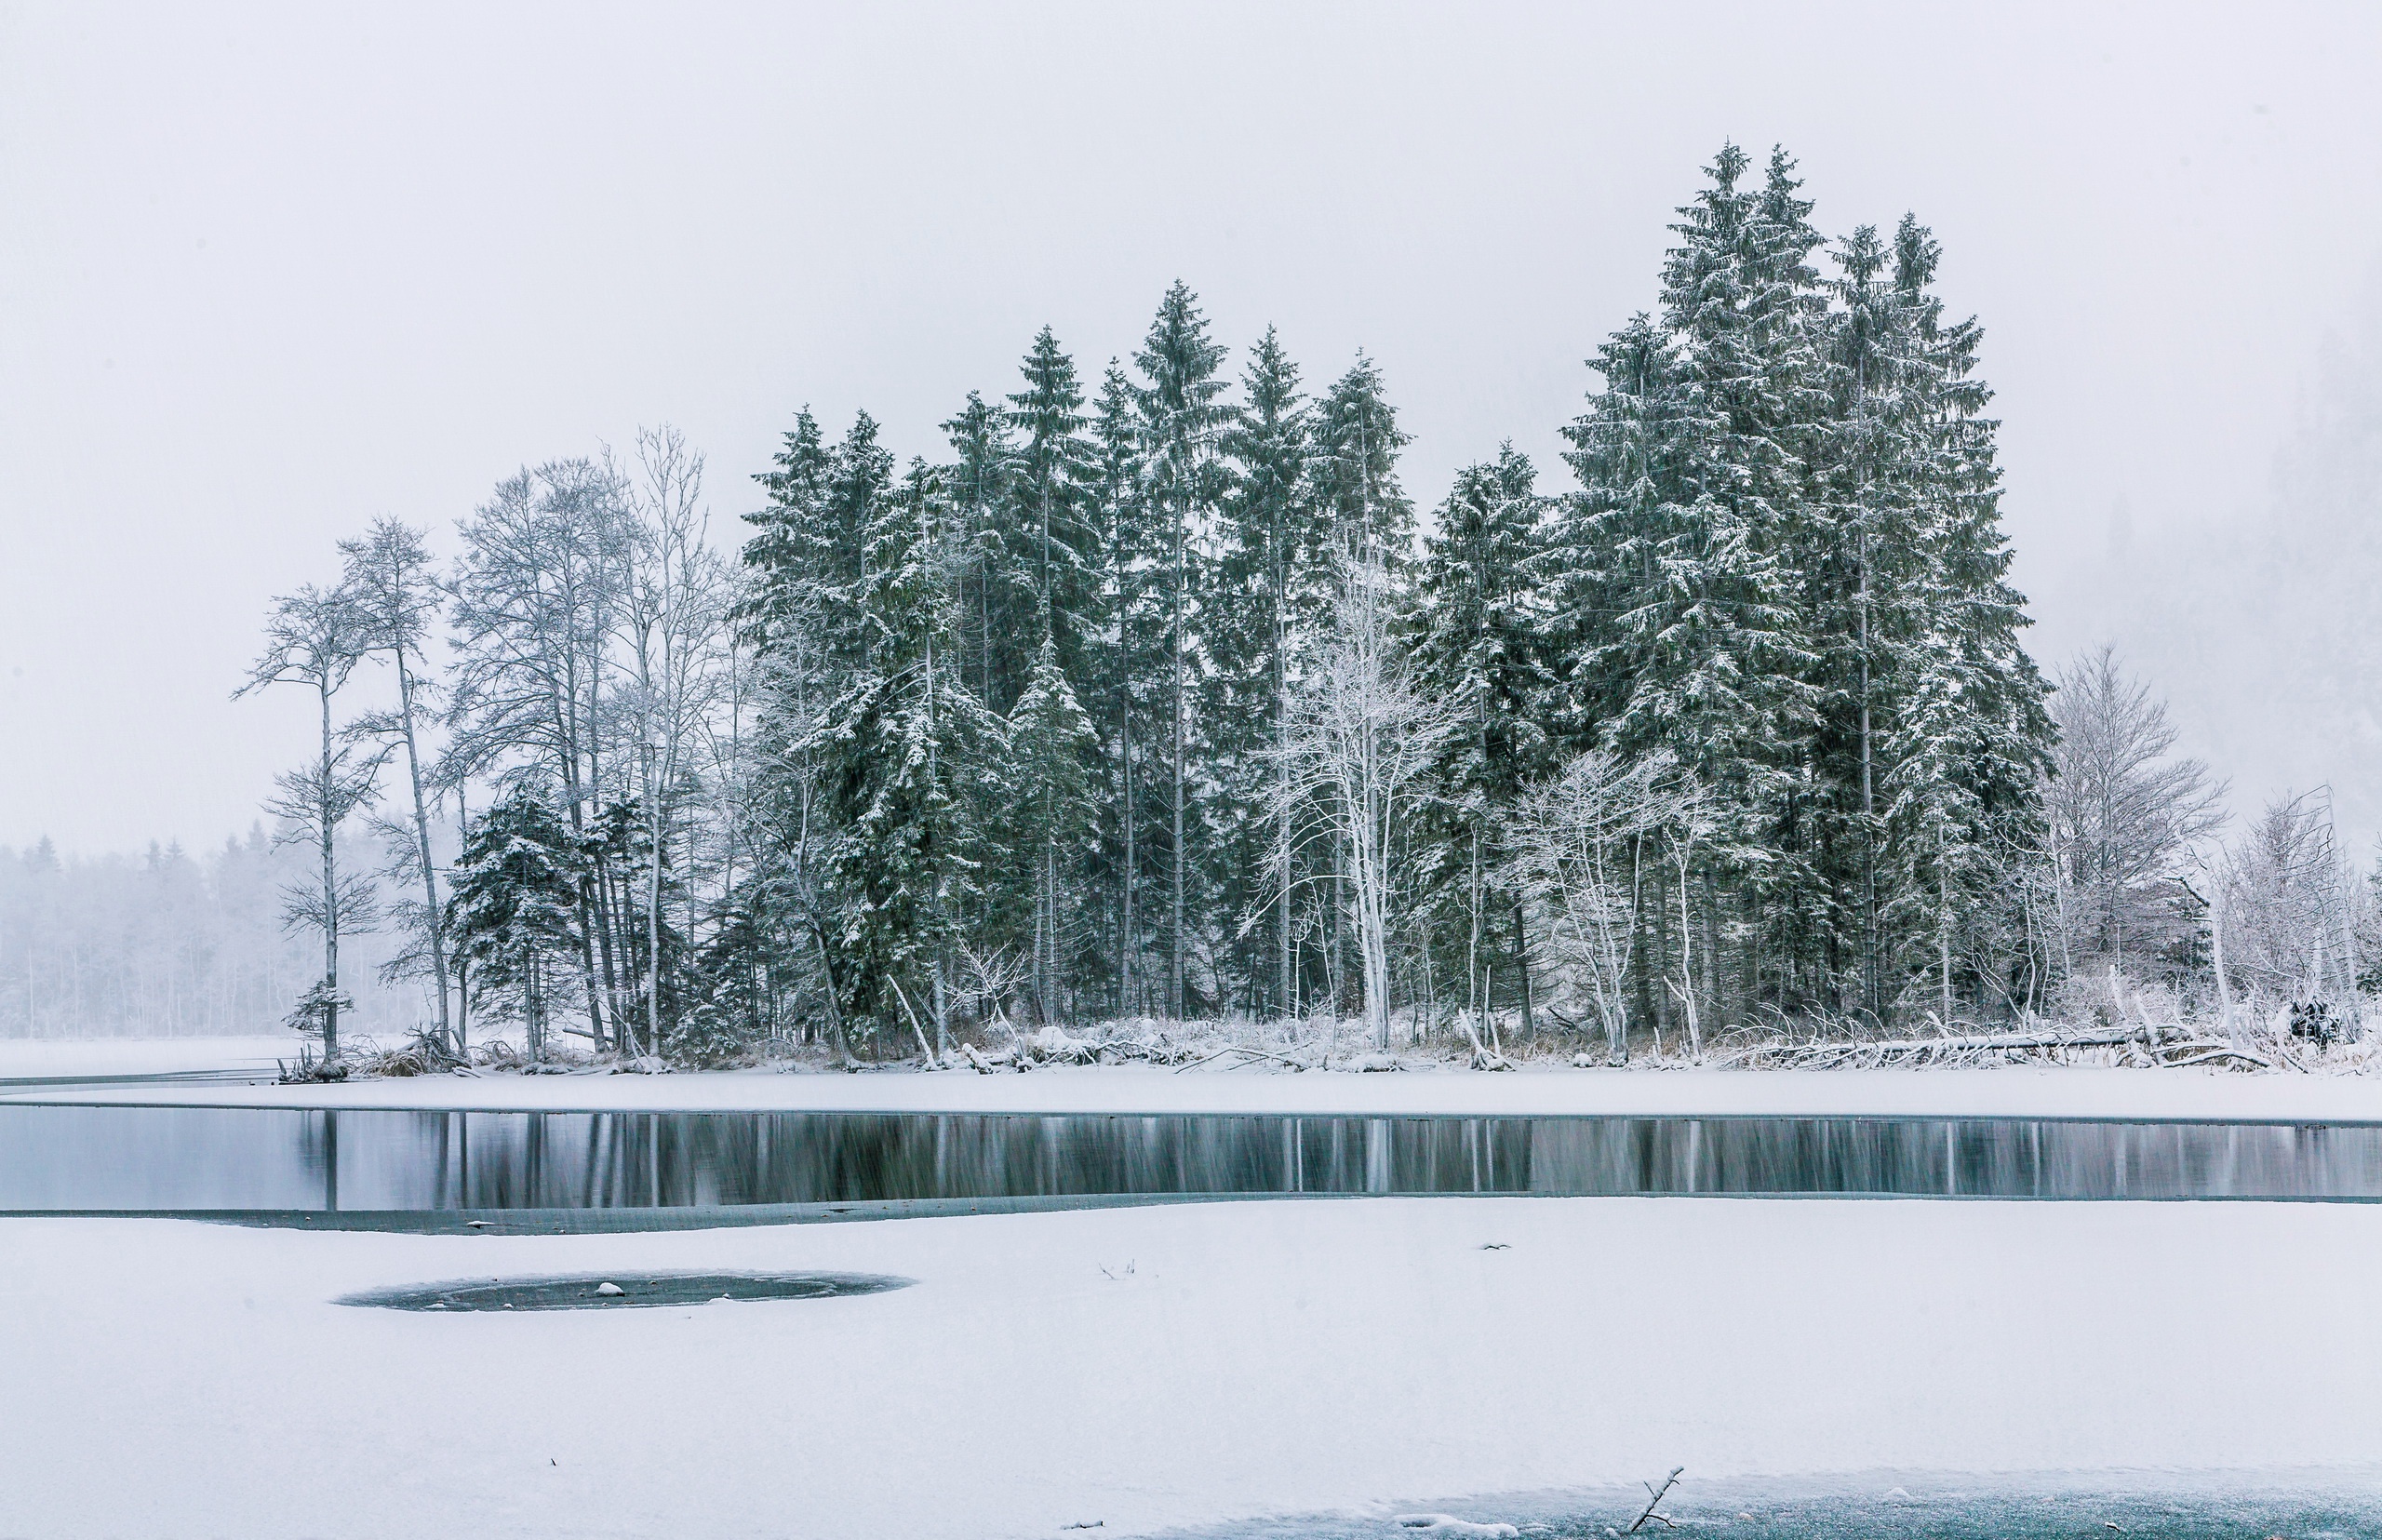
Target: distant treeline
x=163, y=944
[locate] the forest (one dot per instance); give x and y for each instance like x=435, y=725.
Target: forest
x=1157, y=699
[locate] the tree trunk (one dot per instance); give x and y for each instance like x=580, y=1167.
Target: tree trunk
x=331, y=884
x=433, y=926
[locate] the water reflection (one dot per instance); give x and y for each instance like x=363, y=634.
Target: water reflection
x=181, y=1157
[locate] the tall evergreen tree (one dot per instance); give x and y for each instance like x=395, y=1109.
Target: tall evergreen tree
x=1050, y=818
x=1476, y=650
x=996, y=584
x=515, y=912
x=1273, y=600
x=1183, y=419
x=910, y=759
x=1971, y=734
x=804, y=619
x=1356, y=444
x=1708, y=644
x=1121, y=659
x=1048, y=489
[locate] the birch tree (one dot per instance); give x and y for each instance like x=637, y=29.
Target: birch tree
x=673, y=610
x=1584, y=842
x=316, y=639
x=2125, y=811
x=1361, y=736
x=534, y=600
x=395, y=585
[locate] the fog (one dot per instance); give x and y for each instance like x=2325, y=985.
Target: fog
x=265, y=273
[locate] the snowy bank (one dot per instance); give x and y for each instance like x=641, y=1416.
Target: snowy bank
x=2013, y=1091
x=34, y=1057
x=1150, y=1368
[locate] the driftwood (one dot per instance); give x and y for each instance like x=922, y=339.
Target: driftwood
x=2167, y=1044
x=1654, y=1500
x=1247, y=1054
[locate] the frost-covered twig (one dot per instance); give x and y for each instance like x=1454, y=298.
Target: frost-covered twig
x=1654, y=1501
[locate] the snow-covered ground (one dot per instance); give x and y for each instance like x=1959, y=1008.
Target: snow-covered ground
x=1148, y=1368
x=26, y=1057
x=2071, y=1092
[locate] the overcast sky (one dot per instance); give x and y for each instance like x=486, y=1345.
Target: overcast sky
x=266, y=273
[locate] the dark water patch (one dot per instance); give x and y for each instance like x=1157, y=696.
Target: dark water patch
x=57, y=1158
x=623, y=1290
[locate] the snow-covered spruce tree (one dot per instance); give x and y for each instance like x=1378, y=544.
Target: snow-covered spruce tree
x=1617, y=540
x=1872, y=566
x=316, y=639
x=910, y=763
x=1049, y=505
x=1967, y=736
x=1273, y=600
x=1697, y=507
x=1476, y=649
x=1053, y=487
x=516, y=912
x=1184, y=479
x=1355, y=469
x=997, y=589
x=1124, y=659
x=1049, y=820
x=803, y=621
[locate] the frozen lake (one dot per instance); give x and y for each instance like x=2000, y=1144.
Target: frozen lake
x=115, y=1158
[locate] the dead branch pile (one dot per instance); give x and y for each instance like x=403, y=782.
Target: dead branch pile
x=2167, y=1044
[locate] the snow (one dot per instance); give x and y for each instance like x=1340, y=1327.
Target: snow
x=1157, y=1367
x=22, y=1057
x=2014, y=1092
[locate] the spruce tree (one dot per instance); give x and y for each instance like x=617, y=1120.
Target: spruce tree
x=1123, y=658
x=1971, y=735
x=1356, y=443
x=804, y=619
x=1048, y=489
x=1184, y=479
x=1475, y=648
x=1273, y=600
x=910, y=761
x=514, y=912
x=1051, y=817
x=1708, y=643
x=996, y=583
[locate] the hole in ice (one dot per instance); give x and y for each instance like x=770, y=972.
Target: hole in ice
x=623, y=1290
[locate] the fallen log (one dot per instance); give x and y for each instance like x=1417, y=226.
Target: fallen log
x=2159, y=1044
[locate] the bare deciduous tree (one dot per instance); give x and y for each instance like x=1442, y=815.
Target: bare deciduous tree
x=1585, y=845
x=672, y=614
x=316, y=639
x=2124, y=812
x=395, y=592
x=1360, y=738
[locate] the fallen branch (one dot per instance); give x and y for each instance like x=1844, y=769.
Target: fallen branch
x=2164, y=1044
x=1654, y=1501
x=924, y=1051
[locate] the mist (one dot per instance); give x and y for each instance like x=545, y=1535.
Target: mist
x=274, y=271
